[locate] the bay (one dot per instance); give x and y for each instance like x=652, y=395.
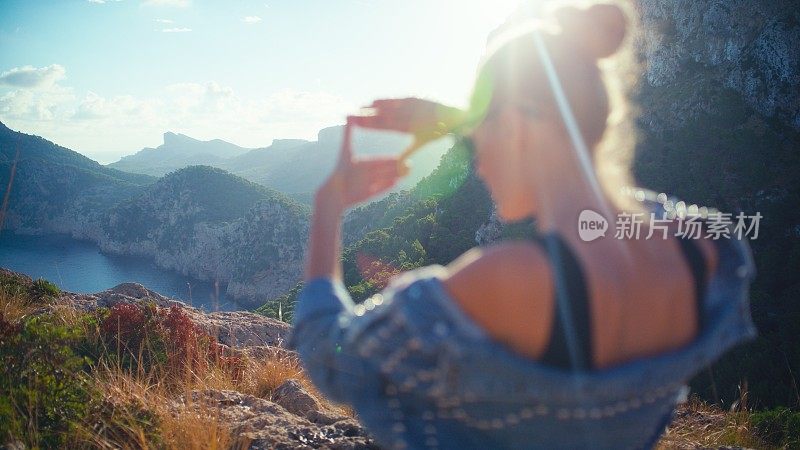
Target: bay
x=79, y=266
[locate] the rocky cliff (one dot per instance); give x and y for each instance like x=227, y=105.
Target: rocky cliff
x=212, y=225
x=751, y=47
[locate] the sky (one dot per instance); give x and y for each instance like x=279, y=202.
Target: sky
x=107, y=78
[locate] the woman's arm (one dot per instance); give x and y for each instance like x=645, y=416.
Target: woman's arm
x=352, y=181
x=324, y=243
x=323, y=324
x=326, y=320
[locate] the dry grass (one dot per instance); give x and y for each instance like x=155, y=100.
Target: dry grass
x=262, y=377
x=197, y=427
x=13, y=307
x=701, y=425
x=138, y=413
x=149, y=407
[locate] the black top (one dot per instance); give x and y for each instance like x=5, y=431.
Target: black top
x=557, y=353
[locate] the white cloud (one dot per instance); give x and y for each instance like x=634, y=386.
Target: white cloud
x=32, y=78
x=96, y=1
x=117, y=108
x=37, y=94
x=176, y=30
x=178, y=3
x=37, y=105
x=202, y=99
x=251, y=19
x=163, y=20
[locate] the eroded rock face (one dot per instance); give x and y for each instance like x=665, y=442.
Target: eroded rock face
x=245, y=329
x=292, y=396
x=752, y=47
x=122, y=293
x=263, y=424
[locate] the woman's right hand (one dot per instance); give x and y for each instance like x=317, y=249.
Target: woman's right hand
x=424, y=119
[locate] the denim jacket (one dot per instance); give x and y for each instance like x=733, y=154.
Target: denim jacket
x=422, y=374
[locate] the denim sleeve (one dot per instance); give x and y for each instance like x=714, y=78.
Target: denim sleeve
x=325, y=332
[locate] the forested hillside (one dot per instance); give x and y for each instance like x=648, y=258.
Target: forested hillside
x=56, y=188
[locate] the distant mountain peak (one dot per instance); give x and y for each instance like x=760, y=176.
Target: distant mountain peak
x=281, y=144
x=171, y=139
x=177, y=151
x=331, y=134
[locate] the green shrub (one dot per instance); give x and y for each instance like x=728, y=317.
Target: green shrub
x=45, y=289
x=44, y=391
x=779, y=426
x=27, y=290
x=281, y=308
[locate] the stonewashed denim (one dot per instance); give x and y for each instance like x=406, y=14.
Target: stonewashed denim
x=422, y=374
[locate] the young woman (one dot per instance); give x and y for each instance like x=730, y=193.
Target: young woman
x=558, y=342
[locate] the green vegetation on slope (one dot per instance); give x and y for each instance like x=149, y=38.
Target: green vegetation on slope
x=172, y=206
x=57, y=188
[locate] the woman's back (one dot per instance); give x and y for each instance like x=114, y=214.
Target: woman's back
x=630, y=311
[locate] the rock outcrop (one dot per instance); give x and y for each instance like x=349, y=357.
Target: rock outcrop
x=240, y=329
x=491, y=230
x=262, y=424
x=752, y=47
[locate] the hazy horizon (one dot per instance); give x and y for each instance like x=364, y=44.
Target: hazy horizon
x=247, y=72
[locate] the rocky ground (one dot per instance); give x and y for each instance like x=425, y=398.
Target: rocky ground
x=293, y=418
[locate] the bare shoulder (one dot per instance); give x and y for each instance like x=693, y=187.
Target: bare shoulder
x=508, y=270
x=506, y=289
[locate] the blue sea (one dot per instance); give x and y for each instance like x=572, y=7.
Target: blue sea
x=79, y=266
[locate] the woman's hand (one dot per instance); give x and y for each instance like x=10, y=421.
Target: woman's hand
x=425, y=119
x=356, y=180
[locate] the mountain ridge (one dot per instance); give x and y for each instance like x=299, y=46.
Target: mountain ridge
x=178, y=150
x=275, y=166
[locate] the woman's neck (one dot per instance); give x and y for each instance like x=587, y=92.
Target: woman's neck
x=561, y=192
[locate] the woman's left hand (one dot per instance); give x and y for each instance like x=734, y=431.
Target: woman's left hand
x=355, y=180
